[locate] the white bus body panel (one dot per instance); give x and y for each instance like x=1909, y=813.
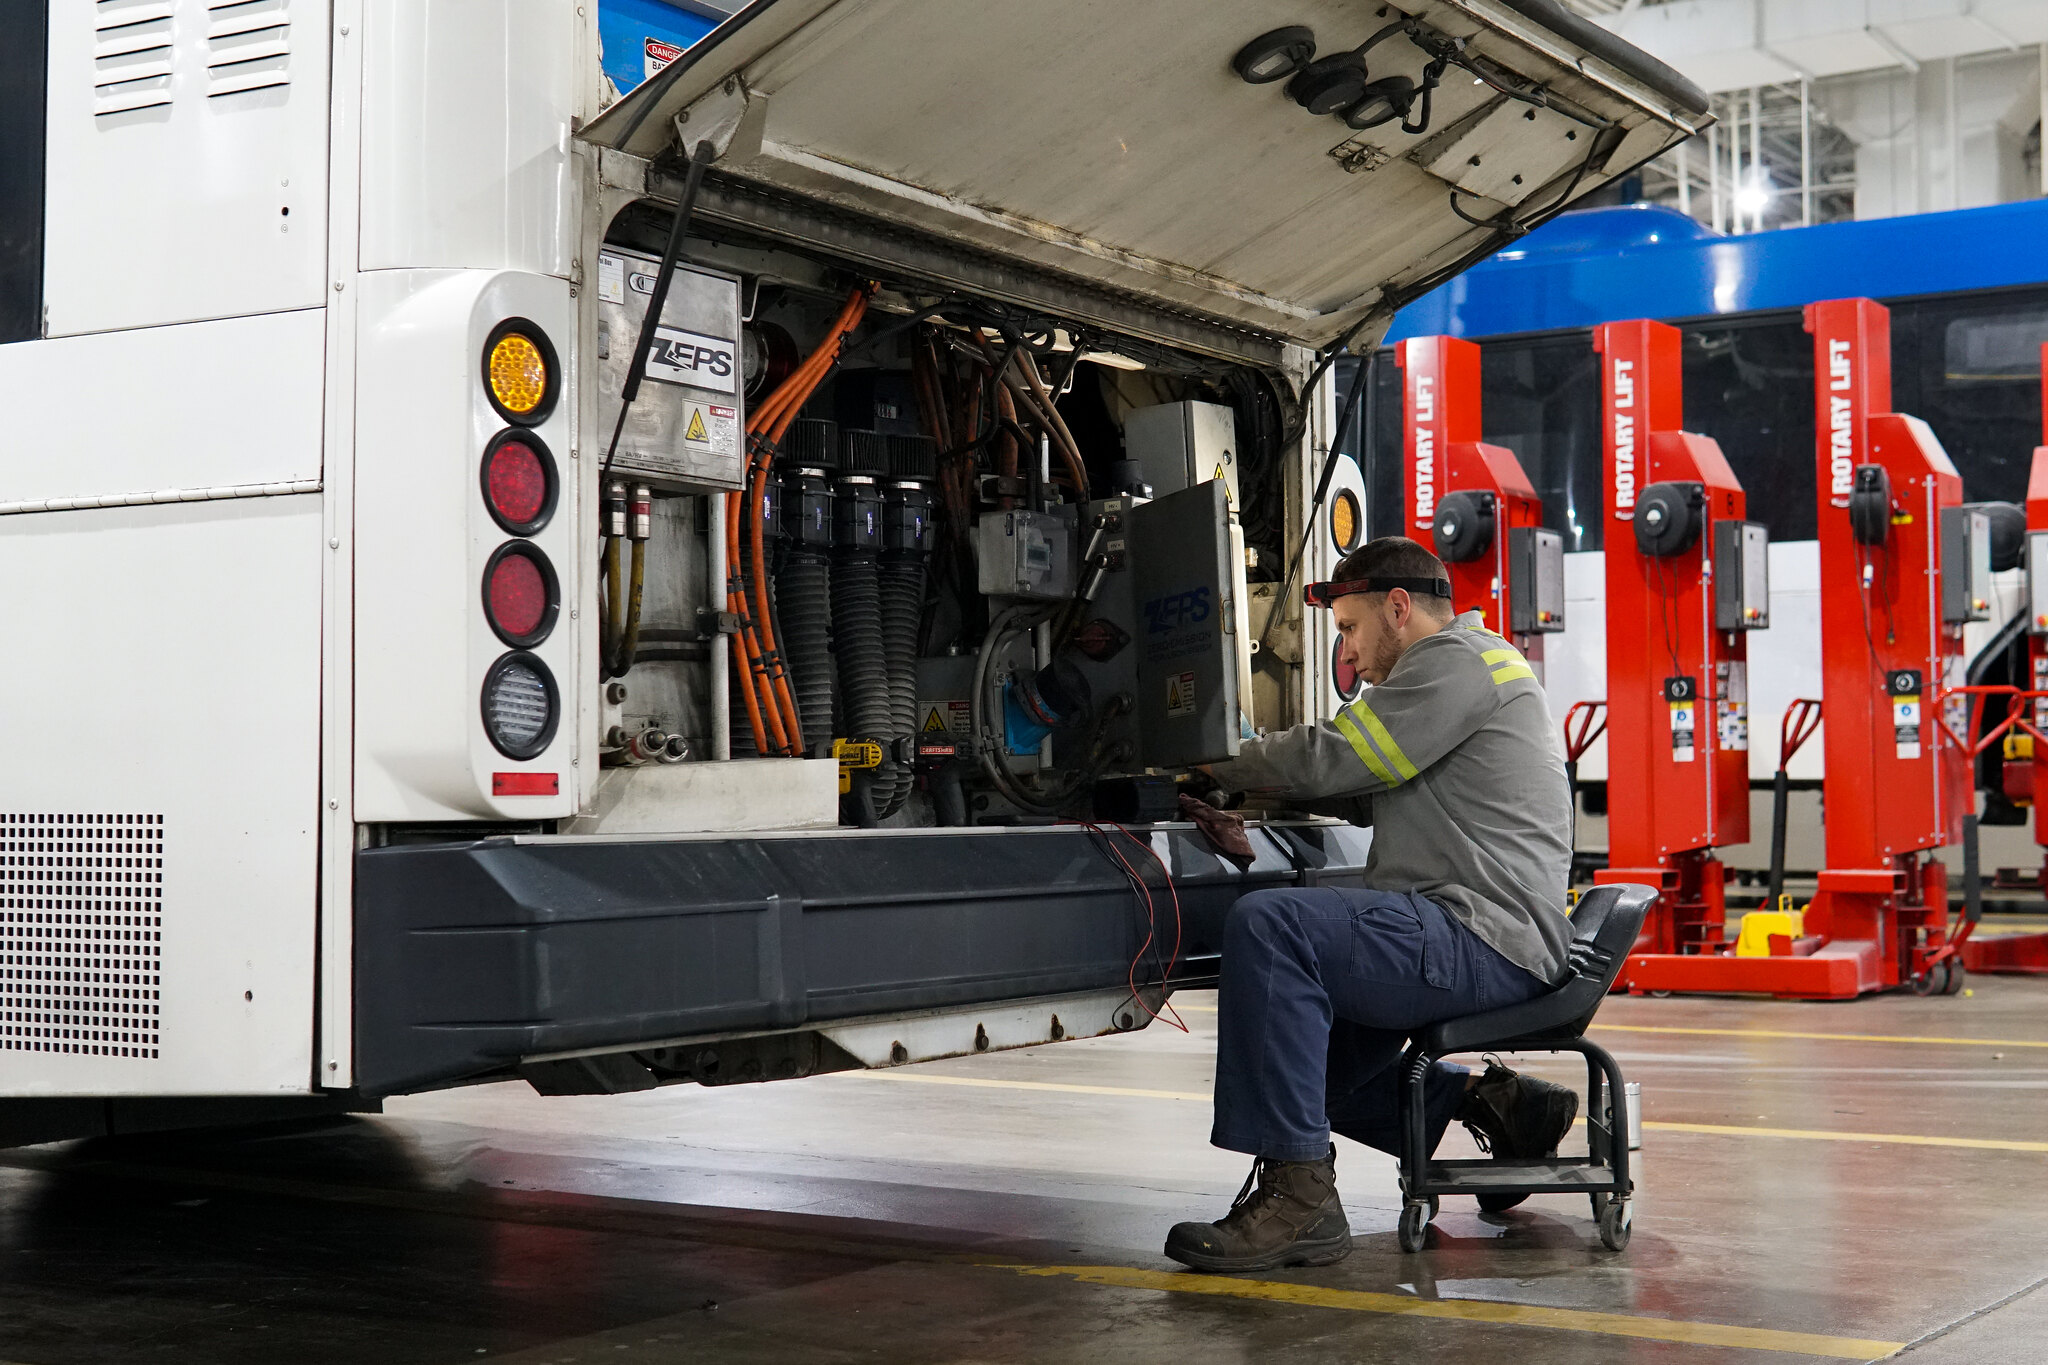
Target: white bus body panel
x=163, y=661
x=467, y=106
x=234, y=404
x=188, y=156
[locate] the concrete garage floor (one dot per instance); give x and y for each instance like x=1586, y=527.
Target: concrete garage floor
x=1819, y=1182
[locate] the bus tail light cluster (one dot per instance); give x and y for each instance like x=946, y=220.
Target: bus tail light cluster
x=522, y=595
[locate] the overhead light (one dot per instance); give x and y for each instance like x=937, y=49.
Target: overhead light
x=1383, y=102
x=1329, y=83
x=1754, y=197
x=1275, y=56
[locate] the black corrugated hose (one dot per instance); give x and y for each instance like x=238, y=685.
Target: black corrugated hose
x=803, y=606
x=863, y=669
x=907, y=540
x=857, y=537
x=902, y=613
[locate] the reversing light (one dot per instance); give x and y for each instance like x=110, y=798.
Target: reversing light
x=519, y=372
x=519, y=481
x=1329, y=83
x=1383, y=101
x=1275, y=56
x=1344, y=521
x=521, y=596
x=520, y=706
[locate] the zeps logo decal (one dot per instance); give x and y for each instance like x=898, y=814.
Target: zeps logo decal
x=1175, y=610
x=702, y=362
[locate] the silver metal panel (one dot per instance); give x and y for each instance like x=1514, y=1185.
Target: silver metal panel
x=1178, y=445
x=1187, y=628
x=1114, y=144
x=687, y=429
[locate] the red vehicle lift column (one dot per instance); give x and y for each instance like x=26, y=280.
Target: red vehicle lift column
x=1472, y=503
x=1679, y=605
x=1897, y=785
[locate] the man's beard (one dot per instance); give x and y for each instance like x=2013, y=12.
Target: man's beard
x=1386, y=652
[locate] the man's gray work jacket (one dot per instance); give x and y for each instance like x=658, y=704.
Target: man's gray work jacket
x=1460, y=761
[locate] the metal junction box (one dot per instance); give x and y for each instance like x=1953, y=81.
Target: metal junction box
x=687, y=429
x=1742, y=575
x=1535, y=580
x=1965, y=565
x=1178, y=445
x=2037, y=582
x=1026, y=554
x=1188, y=641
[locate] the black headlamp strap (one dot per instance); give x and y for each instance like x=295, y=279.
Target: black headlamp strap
x=1322, y=594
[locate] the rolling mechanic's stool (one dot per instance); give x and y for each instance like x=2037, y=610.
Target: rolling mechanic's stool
x=1604, y=928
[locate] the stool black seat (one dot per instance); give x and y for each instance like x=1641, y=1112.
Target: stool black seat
x=1604, y=928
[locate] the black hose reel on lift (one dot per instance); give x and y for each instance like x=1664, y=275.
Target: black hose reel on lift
x=1463, y=529
x=1669, y=518
x=1870, y=504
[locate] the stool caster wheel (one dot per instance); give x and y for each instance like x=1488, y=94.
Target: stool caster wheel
x=1415, y=1216
x=1599, y=1203
x=1615, y=1221
x=1956, y=973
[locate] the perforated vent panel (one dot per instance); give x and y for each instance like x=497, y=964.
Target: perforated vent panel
x=81, y=933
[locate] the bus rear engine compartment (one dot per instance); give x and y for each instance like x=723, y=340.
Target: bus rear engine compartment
x=991, y=568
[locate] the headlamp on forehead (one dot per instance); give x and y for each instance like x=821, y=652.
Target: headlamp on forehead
x=1323, y=594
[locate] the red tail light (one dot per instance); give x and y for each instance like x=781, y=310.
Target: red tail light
x=521, y=596
x=519, y=482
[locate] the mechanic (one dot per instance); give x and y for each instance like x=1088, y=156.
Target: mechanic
x=1452, y=757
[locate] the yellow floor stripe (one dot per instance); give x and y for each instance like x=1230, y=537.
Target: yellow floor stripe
x=1818, y=1037
x=1472, y=1310
x=1830, y=1135
x=1058, y=1088
x=1655, y=1125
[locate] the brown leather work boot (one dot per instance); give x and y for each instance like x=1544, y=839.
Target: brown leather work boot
x=1286, y=1214
x=1516, y=1118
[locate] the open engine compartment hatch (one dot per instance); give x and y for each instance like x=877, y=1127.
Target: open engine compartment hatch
x=1115, y=145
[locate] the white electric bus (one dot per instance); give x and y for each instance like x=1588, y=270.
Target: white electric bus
x=389, y=703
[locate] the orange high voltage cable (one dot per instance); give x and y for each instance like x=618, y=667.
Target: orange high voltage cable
x=771, y=704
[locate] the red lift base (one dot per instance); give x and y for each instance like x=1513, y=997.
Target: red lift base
x=1840, y=971
x=2019, y=954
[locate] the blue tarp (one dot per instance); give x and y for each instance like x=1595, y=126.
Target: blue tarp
x=639, y=35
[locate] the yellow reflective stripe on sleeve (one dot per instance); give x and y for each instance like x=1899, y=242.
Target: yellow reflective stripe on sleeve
x=1348, y=728
x=1380, y=737
x=1501, y=656
x=1507, y=673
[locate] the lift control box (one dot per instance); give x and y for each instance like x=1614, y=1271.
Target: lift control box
x=1965, y=565
x=1535, y=580
x=2037, y=582
x=687, y=429
x=1742, y=575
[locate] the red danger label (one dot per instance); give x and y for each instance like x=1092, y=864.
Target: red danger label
x=660, y=54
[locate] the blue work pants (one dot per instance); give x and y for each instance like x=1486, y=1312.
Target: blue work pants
x=1321, y=988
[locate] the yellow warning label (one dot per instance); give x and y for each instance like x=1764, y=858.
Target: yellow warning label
x=1219, y=470
x=696, y=430
x=934, y=723
x=1180, y=694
